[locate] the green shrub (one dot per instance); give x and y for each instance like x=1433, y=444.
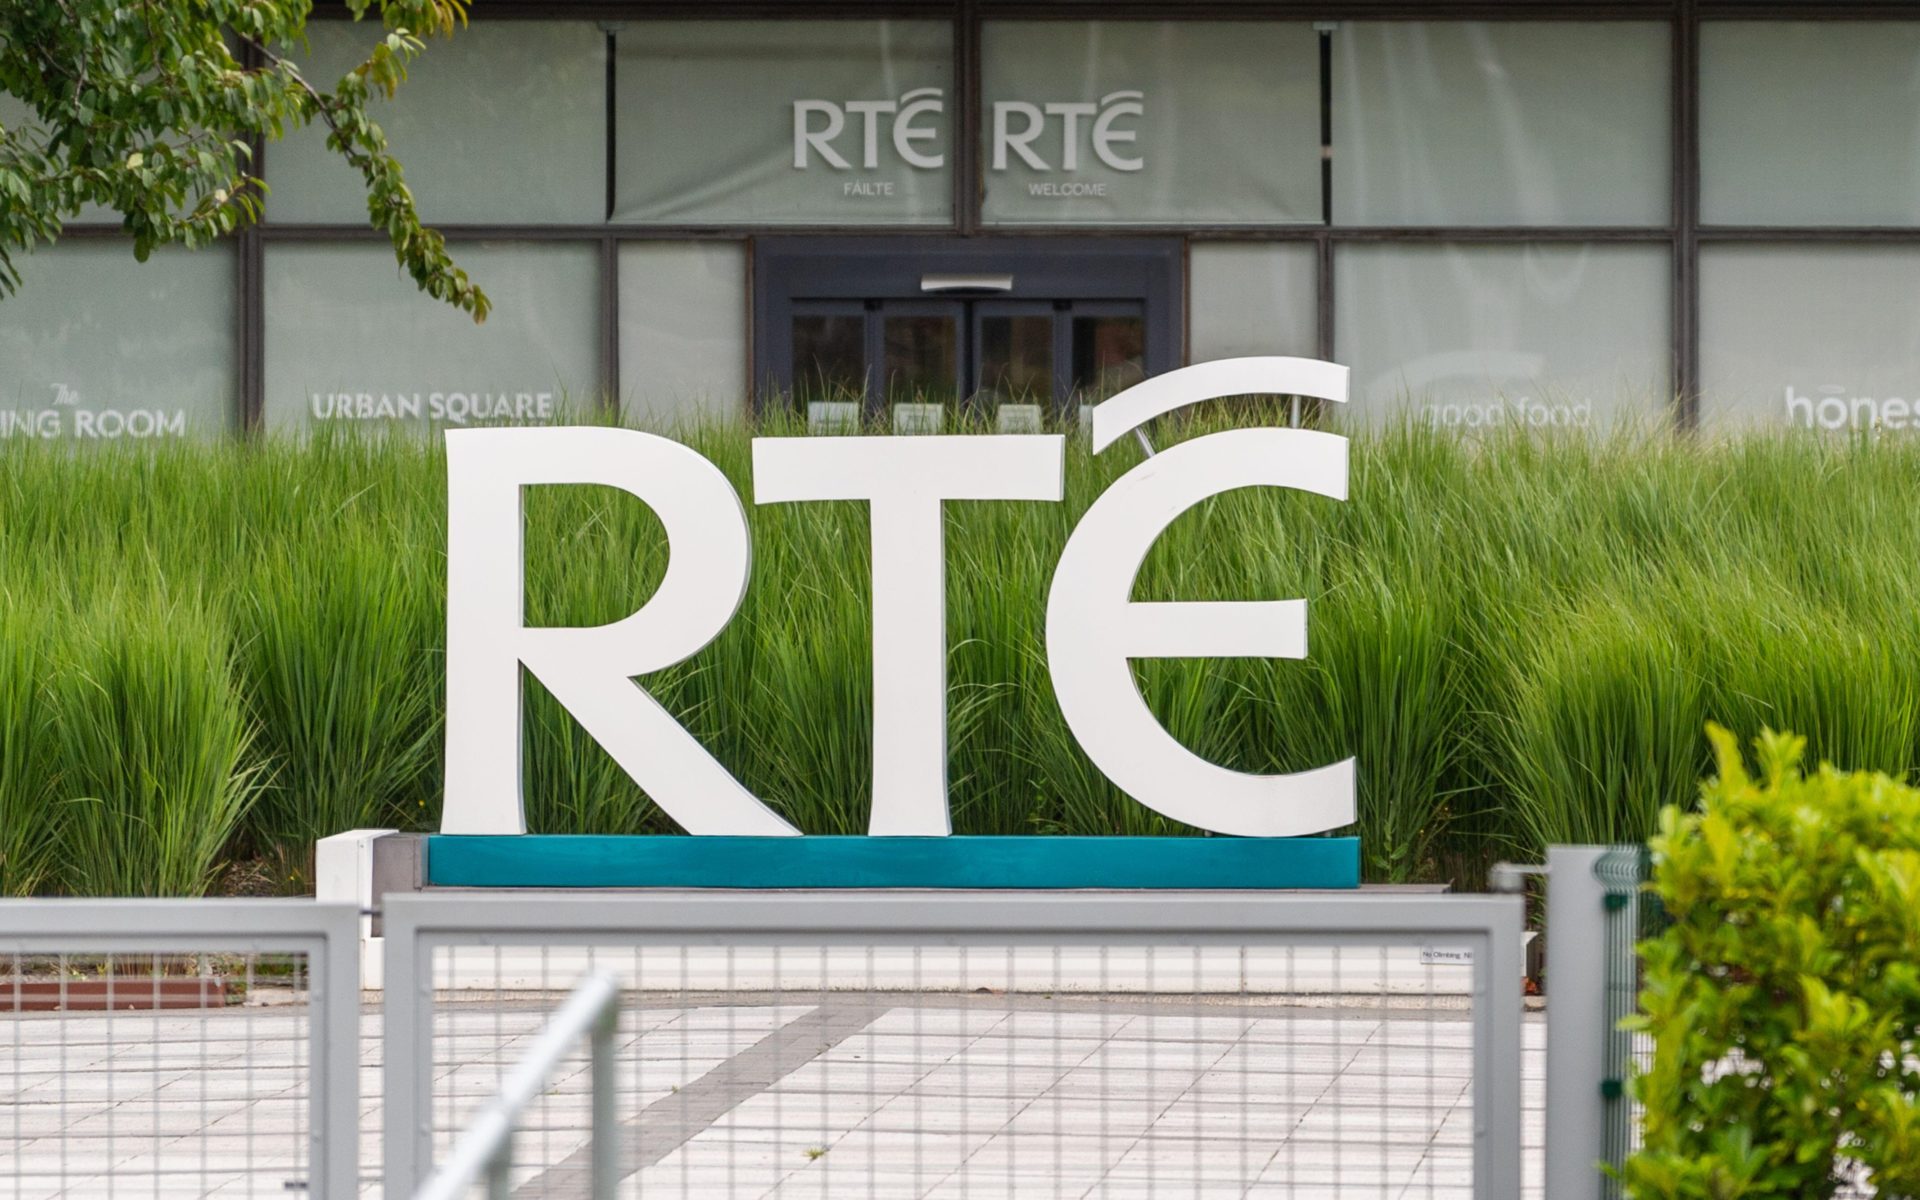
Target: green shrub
x=1784, y=999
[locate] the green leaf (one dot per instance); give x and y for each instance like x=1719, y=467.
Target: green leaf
x=167, y=116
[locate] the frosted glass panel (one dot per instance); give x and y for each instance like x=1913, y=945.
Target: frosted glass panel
x=785, y=122
x=14, y=113
x=1251, y=298
x=1810, y=336
x=683, y=332
x=1501, y=123
x=350, y=339
x=1489, y=336
x=1810, y=123
x=506, y=122
x=1143, y=122
x=97, y=346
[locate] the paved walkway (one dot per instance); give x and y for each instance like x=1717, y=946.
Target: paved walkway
x=884, y=1095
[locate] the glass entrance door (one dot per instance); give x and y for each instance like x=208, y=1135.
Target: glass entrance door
x=908, y=344
x=1038, y=363
x=853, y=361
x=929, y=366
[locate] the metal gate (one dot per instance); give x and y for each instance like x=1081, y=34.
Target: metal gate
x=1014, y=1043
x=180, y=1047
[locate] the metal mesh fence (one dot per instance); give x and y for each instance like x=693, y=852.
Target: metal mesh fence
x=981, y=1070
x=154, y=1074
x=177, y=1048
x=370, y=1050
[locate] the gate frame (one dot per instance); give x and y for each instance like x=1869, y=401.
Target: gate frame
x=416, y=925
x=328, y=934
x=1592, y=934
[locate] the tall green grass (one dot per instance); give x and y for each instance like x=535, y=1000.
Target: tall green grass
x=216, y=652
x=150, y=754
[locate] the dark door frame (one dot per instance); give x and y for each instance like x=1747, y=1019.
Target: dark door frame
x=789, y=270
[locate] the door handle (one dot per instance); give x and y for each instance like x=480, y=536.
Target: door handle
x=939, y=282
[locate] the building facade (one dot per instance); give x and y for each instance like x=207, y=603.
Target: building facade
x=1692, y=212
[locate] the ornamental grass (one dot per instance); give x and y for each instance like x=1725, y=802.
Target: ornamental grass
x=219, y=652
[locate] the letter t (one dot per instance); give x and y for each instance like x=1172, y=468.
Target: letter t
x=906, y=480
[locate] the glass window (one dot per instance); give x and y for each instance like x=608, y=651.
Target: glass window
x=14, y=113
x=683, y=331
x=1016, y=358
x=920, y=357
x=1810, y=123
x=785, y=122
x=1251, y=298
x=506, y=121
x=1477, y=336
x=1501, y=123
x=98, y=346
x=1810, y=336
x=1150, y=122
x=350, y=338
x=829, y=354
x=1109, y=352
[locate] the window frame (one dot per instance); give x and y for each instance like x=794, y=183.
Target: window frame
x=850, y=269
x=1683, y=234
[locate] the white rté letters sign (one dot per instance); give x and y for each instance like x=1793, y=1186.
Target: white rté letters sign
x=818, y=124
x=1093, y=628
x=1017, y=124
x=853, y=134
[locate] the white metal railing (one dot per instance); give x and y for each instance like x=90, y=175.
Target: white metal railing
x=189, y=1046
x=486, y=1148
x=1364, y=1044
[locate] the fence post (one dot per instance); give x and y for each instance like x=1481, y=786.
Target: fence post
x=407, y=1052
x=1576, y=1022
x=335, y=979
x=1497, y=1068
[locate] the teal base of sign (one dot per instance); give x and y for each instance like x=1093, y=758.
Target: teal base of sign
x=577, y=861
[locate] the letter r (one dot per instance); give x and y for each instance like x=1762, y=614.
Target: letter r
x=804, y=135
x=589, y=670
x=1005, y=138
